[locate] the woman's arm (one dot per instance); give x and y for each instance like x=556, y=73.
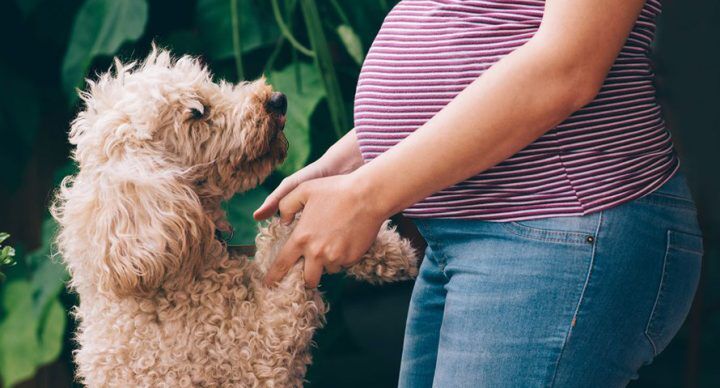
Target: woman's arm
x=513, y=103
x=517, y=100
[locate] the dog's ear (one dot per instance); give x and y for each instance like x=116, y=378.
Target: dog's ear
x=129, y=231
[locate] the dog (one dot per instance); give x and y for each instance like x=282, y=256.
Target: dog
x=163, y=302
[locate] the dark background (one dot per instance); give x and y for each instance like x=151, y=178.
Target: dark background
x=361, y=343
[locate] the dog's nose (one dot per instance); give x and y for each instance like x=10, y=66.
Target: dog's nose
x=277, y=103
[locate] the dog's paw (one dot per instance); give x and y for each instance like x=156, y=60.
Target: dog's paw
x=391, y=258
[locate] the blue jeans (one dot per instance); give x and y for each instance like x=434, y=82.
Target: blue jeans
x=555, y=302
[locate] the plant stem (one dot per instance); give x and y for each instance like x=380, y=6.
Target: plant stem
x=274, y=54
x=340, y=12
x=237, y=44
x=289, y=11
x=286, y=31
x=290, y=6
x=324, y=62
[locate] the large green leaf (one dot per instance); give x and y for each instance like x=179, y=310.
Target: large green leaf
x=301, y=105
x=239, y=212
x=33, y=320
x=51, y=333
x=100, y=28
x=49, y=274
x=257, y=26
x=19, y=348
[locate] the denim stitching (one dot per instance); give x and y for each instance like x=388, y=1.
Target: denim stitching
x=701, y=253
x=442, y=259
x=438, y=252
x=579, y=303
x=534, y=232
x=569, y=237
x=657, y=296
x=668, y=200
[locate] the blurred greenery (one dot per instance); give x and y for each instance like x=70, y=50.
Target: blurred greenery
x=311, y=50
x=100, y=28
x=7, y=255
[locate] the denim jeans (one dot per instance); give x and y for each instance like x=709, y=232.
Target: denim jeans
x=581, y=301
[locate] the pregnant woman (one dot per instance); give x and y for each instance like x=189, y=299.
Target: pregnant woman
x=524, y=140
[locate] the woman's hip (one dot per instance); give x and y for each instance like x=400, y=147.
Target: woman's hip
x=613, y=286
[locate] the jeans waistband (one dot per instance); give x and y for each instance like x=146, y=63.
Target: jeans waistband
x=676, y=186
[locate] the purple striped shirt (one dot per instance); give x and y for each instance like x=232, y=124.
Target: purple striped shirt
x=613, y=150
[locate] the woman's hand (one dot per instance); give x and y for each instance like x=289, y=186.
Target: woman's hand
x=317, y=169
x=339, y=222
x=343, y=157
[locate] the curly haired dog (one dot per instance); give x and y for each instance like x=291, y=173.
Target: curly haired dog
x=162, y=302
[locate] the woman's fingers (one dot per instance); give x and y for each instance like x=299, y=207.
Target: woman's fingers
x=292, y=203
x=289, y=254
x=270, y=205
x=332, y=268
x=266, y=210
x=313, y=272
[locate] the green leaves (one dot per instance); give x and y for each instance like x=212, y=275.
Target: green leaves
x=27, y=340
x=239, y=212
x=256, y=26
x=100, y=28
x=18, y=331
x=304, y=94
x=32, y=317
x=32, y=323
x=324, y=63
x=7, y=255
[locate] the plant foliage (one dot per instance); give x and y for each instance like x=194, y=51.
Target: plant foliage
x=309, y=49
x=7, y=254
x=32, y=322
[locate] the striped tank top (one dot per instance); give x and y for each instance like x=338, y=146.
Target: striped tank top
x=613, y=150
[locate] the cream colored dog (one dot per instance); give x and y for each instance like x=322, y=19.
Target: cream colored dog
x=162, y=303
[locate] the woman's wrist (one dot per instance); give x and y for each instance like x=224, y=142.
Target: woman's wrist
x=374, y=187
x=343, y=157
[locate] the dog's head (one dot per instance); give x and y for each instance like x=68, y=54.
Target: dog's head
x=160, y=146
x=228, y=136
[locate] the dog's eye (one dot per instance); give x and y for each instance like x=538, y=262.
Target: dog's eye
x=198, y=114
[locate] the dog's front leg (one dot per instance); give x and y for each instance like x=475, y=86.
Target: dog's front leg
x=289, y=313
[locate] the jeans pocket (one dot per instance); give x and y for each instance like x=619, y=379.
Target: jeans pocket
x=576, y=230
x=678, y=283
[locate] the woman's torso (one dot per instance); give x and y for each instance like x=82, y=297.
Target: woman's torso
x=612, y=151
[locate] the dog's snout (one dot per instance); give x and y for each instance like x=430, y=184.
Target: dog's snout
x=277, y=103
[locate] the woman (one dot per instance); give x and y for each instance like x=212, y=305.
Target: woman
x=524, y=140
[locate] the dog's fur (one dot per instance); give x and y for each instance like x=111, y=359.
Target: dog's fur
x=162, y=303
